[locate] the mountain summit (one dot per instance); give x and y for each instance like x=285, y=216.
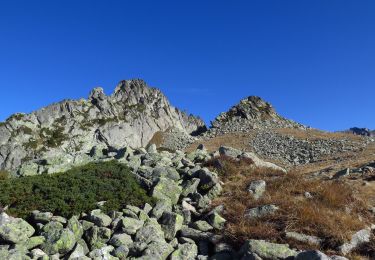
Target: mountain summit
x=128, y=117
x=251, y=113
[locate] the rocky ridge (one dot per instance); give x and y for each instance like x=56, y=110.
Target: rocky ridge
x=250, y=113
x=181, y=225
x=361, y=131
x=66, y=132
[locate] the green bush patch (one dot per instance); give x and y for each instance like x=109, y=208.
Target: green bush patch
x=75, y=191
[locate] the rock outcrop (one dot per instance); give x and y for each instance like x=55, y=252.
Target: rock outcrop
x=68, y=130
x=250, y=113
x=361, y=131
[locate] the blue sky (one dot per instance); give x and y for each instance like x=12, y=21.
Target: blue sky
x=314, y=60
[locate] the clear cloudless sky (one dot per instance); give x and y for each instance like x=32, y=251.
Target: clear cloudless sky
x=314, y=60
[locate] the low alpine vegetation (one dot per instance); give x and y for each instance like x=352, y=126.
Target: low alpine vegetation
x=286, y=205
x=73, y=192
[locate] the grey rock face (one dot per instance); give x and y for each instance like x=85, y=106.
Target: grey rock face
x=128, y=117
x=250, y=113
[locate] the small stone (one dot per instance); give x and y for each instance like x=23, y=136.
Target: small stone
x=257, y=188
x=202, y=226
x=216, y=220
x=311, y=240
x=261, y=211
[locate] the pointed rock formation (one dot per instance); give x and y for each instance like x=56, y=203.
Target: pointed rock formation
x=128, y=117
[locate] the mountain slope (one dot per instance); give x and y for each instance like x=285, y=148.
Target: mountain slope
x=128, y=117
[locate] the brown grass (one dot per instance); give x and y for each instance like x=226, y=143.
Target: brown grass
x=332, y=214
x=157, y=139
x=239, y=141
x=314, y=134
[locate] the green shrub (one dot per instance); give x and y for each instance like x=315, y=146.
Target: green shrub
x=75, y=191
x=53, y=138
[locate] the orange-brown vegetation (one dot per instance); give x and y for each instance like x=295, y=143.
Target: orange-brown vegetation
x=335, y=211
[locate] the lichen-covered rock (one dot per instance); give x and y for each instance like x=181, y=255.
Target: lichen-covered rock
x=261, y=211
x=77, y=253
x=58, y=240
x=267, y=250
x=99, y=218
x=216, y=220
x=161, y=207
x=103, y=253
x=202, y=225
x=130, y=225
x=118, y=240
x=151, y=231
x=187, y=251
x=97, y=237
x=157, y=250
x=41, y=217
x=171, y=223
x=190, y=186
x=33, y=242
x=75, y=226
x=167, y=189
x=14, y=230
x=121, y=252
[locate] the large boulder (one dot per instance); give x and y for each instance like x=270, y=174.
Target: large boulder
x=167, y=189
x=14, y=230
x=99, y=218
x=58, y=240
x=171, y=223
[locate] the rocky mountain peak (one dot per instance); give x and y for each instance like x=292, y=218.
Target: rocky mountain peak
x=251, y=113
x=71, y=128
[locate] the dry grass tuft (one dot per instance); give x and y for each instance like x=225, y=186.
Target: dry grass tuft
x=157, y=139
x=334, y=212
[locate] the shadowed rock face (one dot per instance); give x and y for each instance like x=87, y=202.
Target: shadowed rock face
x=128, y=117
x=361, y=131
x=251, y=113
